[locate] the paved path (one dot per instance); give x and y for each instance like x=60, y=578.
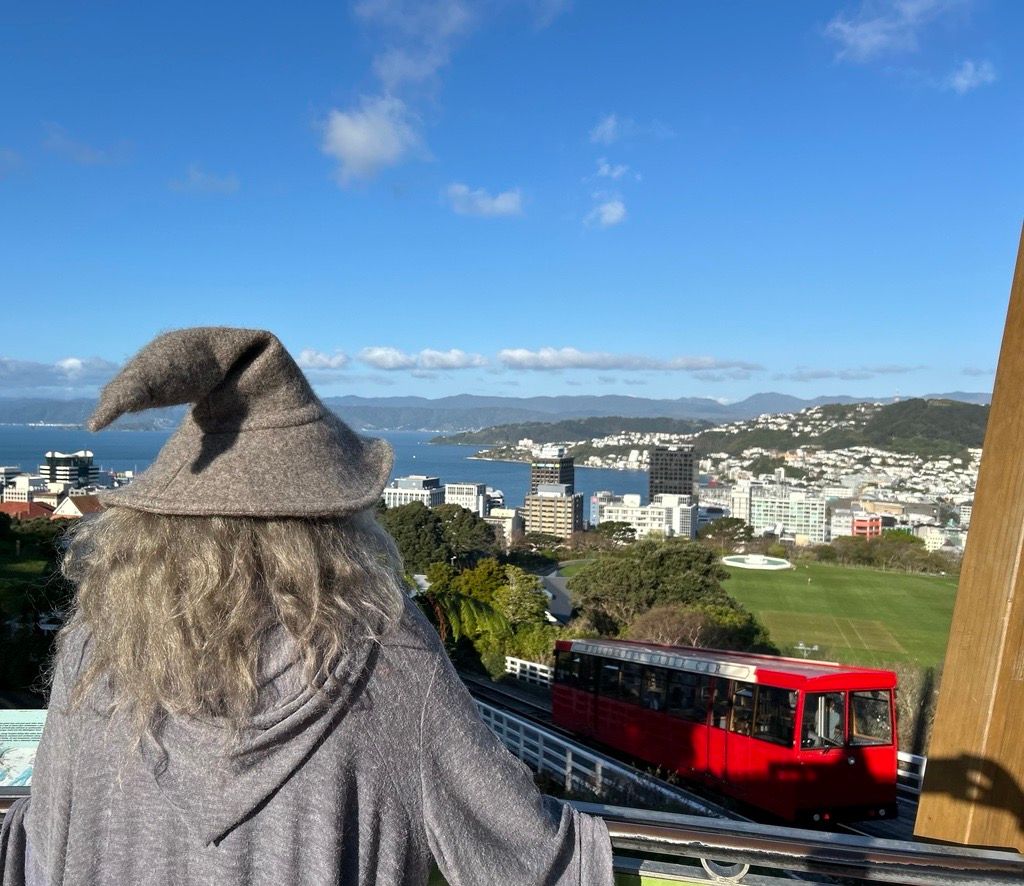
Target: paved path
x=560, y=605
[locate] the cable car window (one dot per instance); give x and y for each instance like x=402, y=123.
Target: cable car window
x=775, y=715
x=688, y=696
x=721, y=691
x=742, y=709
x=574, y=669
x=610, y=675
x=564, y=671
x=824, y=720
x=587, y=670
x=655, y=684
x=870, y=719
x=632, y=674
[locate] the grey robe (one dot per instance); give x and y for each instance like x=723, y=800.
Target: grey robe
x=361, y=783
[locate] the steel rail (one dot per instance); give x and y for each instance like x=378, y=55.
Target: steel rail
x=829, y=854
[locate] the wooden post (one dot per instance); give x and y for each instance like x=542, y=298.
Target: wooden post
x=973, y=789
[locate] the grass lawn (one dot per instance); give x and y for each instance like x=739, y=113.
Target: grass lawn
x=854, y=615
x=570, y=569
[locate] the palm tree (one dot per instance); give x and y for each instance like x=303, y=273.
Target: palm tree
x=459, y=615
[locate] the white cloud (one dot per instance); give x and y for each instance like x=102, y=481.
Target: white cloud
x=975, y=371
x=546, y=11
x=377, y=134
x=387, y=358
x=310, y=358
x=882, y=27
x=468, y=202
x=428, y=359
x=451, y=359
x=10, y=161
x=970, y=75
x=859, y=373
x=608, y=129
x=607, y=214
x=420, y=35
x=59, y=141
x=197, y=181
x=614, y=171
x=81, y=375
x=547, y=359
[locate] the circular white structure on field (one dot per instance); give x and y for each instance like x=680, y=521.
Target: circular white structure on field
x=756, y=561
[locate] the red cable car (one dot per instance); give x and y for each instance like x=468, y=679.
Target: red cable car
x=804, y=740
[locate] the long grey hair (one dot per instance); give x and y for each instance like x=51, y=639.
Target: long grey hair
x=178, y=608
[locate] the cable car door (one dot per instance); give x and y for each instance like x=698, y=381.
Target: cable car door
x=720, y=699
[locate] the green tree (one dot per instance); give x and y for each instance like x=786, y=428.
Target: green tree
x=457, y=615
x=713, y=627
x=467, y=535
x=726, y=535
x=534, y=642
x=419, y=534
x=614, y=589
x=481, y=582
x=617, y=531
x=521, y=599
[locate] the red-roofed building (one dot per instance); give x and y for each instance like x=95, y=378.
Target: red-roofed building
x=74, y=507
x=25, y=510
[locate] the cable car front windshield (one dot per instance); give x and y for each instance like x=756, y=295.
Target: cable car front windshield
x=824, y=720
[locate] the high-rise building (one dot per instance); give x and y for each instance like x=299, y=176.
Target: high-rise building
x=552, y=466
x=553, y=510
x=415, y=487
x=672, y=471
x=75, y=468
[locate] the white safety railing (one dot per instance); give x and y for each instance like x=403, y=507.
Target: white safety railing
x=529, y=671
x=580, y=769
x=910, y=771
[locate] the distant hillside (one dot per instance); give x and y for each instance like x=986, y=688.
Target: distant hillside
x=573, y=429
x=465, y=412
x=927, y=428
x=922, y=427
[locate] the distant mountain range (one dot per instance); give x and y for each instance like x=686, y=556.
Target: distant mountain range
x=467, y=412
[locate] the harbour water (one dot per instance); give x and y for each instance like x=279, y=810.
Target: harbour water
x=414, y=454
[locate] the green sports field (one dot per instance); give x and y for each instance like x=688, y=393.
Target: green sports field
x=854, y=615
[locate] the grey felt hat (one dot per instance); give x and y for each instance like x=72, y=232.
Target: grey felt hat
x=257, y=442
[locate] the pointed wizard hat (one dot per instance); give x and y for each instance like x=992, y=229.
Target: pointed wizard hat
x=257, y=441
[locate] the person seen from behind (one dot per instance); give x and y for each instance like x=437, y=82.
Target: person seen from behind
x=243, y=692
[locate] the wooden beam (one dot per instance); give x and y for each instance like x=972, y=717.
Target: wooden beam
x=973, y=788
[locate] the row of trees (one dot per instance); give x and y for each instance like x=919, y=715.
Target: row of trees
x=482, y=601
x=664, y=591
x=30, y=587
x=894, y=550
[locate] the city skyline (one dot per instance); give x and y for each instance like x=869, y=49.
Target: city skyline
x=520, y=198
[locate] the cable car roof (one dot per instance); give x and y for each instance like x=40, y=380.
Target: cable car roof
x=744, y=666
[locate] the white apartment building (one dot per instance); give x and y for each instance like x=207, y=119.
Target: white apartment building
x=669, y=514
x=786, y=512
x=24, y=488
x=471, y=496
x=965, y=514
x=415, y=487
x=934, y=536
x=682, y=513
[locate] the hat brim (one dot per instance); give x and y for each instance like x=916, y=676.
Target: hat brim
x=321, y=468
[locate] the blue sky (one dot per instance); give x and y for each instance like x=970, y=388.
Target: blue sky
x=517, y=197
